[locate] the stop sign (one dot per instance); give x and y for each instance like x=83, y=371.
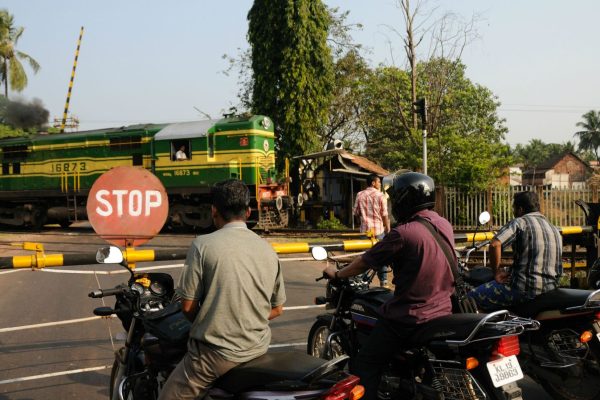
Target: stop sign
x=127, y=206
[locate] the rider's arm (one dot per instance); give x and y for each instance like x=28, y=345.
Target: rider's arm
x=500, y=276
x=276, y=312
x=190, y=309
x=386, y=224
x=357, y=266
x=495, y=254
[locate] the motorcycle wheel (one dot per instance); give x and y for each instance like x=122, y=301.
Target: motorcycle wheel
x=116, y=376
x=116, y=373
x=317, y=342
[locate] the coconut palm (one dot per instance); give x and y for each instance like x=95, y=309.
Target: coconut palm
x=589, y=136
x=11, y=70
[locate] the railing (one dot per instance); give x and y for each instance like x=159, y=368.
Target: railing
x=462, y=208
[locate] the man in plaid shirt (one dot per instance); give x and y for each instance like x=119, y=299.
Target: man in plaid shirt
x=371, y=207
x=537, y=257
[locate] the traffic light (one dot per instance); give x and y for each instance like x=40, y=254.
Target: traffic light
x=420, y=107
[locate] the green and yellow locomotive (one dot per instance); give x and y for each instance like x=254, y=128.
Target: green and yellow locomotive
x=46, y=178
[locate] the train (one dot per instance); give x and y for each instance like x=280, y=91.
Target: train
x=46, y=178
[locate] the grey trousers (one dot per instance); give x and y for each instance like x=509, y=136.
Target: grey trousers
x=194, y=375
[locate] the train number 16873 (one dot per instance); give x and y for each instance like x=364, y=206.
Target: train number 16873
x=69, y=167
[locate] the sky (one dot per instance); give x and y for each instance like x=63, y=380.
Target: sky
x=151, y=61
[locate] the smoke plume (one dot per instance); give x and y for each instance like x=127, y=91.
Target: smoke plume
x=23, y=115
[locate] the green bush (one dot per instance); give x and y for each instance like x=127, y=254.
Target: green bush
x=331, y=224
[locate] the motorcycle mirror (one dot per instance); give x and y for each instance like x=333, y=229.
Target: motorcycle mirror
x=484, y=218
x=109, y=255
x=319, y=253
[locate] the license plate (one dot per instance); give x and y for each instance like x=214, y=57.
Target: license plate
x=504, y=371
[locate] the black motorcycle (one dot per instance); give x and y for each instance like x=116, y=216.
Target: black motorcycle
x=563, y=355
x=459, y=356
x=157, y=333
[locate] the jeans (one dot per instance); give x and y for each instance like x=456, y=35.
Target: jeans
x=492, y=296
x=386, y=339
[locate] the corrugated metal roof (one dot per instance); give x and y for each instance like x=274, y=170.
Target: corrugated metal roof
x=364, y=163
x=184, y=130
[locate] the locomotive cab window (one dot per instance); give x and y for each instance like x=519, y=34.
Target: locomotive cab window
x=181, y=150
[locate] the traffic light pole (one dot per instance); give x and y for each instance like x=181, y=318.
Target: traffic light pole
x=424, y=150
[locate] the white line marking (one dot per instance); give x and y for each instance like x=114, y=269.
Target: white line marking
x=303, y=307
x=66, y=322
x=78, y=320
x=53, y=374
x=119, y=271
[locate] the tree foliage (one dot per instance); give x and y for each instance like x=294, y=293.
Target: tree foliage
x=465, y=134
x=12, y=72
x=589, y=136
x=292, y=70
x=536, y=152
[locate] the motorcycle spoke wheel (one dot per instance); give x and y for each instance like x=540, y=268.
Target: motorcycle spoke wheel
x=317, y=344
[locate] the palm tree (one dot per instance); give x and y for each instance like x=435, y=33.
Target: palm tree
x=589, y=137
x=11, y=70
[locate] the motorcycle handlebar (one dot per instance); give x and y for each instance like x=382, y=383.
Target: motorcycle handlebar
x=96, y=294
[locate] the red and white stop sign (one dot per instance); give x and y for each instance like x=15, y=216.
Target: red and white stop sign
x=127, y=206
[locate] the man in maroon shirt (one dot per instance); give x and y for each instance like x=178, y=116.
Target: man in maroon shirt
x=422, y=276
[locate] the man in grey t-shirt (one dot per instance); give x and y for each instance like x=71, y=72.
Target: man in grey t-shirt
x=231, y=286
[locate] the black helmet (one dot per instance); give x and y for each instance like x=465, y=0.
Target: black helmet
x=410, y=192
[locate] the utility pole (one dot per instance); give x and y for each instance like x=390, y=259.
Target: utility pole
x=421, y=109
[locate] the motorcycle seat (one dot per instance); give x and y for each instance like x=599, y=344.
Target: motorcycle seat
x=449, y=327
x=557, y=299
x=269, y=368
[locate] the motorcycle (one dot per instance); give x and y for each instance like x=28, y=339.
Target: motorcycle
x=459, y=356
x=563, y=355
x=157, y=334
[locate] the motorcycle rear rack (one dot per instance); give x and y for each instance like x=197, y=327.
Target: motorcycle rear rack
x=509, y=323
x=591, y=303
x=565, y=344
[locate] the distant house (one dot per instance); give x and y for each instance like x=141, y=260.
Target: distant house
x=512, y=176
x=564, y=171
x=330, y=181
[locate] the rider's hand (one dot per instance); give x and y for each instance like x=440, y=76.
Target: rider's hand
x=501, y=275
x=330, y=271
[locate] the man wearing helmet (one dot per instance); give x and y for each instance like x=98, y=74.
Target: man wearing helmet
x=422, y=275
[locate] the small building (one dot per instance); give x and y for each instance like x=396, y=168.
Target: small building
x=330, y=181
x=565, y=171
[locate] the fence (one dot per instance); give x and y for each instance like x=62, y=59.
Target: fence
x=462, y=208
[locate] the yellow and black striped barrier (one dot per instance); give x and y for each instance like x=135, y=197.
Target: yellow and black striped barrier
x=42, y=260
x=64, y=119
x=132, y=255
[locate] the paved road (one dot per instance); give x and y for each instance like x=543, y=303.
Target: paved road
x=45, y=354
